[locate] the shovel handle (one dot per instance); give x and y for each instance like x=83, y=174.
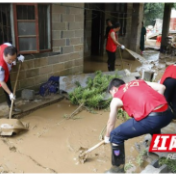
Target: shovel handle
x=14, y=90
x=11, y=108
x=94, y=147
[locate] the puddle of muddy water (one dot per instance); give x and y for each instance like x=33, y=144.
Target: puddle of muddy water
x=151, y=55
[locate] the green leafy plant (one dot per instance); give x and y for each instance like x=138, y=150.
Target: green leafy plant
x=122, y=115
x=141, y=157
x=94, y=94
x=169, y=162
x=128, y=166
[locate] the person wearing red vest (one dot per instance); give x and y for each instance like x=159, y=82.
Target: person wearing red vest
x=8, y=55
x=111, y=46
x=146, y=104
x=169, y=80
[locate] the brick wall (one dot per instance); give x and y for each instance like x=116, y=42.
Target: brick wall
x=67, y=38
x=137, y=17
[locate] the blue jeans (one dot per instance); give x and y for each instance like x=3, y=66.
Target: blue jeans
x=170, y=92
x=132, y=128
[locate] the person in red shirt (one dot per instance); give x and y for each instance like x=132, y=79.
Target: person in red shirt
x=145, y=103
x=111, y=46
x=169, y=80
x=8, y=55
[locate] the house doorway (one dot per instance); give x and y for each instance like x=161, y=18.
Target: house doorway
x=94, y=29
x=97, y=44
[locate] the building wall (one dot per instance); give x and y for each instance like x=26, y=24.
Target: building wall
x=137, y=17
x=67, y=39
x=72, y=39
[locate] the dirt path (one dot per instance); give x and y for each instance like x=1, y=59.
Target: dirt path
x=51, y=143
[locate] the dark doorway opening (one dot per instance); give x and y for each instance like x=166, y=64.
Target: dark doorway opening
x=97, y=41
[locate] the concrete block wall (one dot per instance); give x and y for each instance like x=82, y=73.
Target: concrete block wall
x=137, y=17
x=67, y=38
x=128, y=24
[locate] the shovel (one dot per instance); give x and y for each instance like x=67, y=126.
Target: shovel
x=83, y=153
x=11, y=126
x=14, y=90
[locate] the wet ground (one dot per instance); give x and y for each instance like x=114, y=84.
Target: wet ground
x=51, y=143
x=152, y=60
x=132, y=65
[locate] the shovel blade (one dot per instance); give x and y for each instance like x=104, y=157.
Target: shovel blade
x=8, y=127
x=6, y=133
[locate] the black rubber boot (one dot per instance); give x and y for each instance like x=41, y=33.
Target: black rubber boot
x=117, y=159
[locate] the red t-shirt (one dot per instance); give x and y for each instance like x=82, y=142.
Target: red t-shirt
x=110, y=45
x=3, y=64
x=139, y=99
x=170, y=72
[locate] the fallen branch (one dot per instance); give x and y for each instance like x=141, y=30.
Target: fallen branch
x=76, y=111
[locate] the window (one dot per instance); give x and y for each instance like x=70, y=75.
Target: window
x=5, y=27
x=32, y=27
x=120, y=12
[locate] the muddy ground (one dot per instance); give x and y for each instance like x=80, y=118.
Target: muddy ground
x=51, y=143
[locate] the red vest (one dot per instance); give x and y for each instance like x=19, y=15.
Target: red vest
x=110, y=45
x=139, y=99
x=170, y=72
x=3, y=64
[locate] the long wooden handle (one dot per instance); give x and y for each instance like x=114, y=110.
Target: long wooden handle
x=14, y=90
x=15, y=86
x=94, y=147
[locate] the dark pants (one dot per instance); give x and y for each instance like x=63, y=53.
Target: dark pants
x=170, y=93
x=111, y=60
x=7, y=95
x=132, y=128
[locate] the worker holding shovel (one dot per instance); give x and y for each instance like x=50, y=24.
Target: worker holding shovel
x=8, y=55
x=111, y=46
x=146, y=104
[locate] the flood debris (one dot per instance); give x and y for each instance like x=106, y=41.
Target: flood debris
x=89, y=90
x=76, y=111
x=81, y=156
